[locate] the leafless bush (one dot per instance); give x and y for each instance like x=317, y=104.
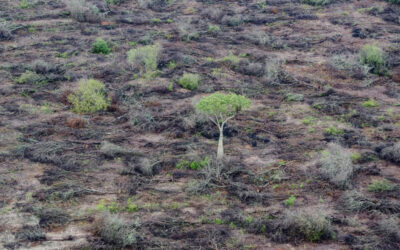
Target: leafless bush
x=117, y=231
x=389, y=231
x=5, y=31
x=336, y=165
x=214, y=14
x=391, y=153
x=83, y=11
x=350, y=64
x=309, y=224
x=354, y=201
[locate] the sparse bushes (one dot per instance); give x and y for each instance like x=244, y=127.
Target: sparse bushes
x=189, y=81
x=116, y=231
x=83, y=11
x=394, y=1
x=145, y=59
x=336, y=165
x=374, y=57
x=308, y=224
x=100, y=47
x=90, y=97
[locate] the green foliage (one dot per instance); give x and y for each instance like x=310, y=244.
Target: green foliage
x=293, y=97
x=145, y=59
x=374, y=57
x=24, y=4
x=89, y=97
x=380, y=186
x=231, y=60
x=394, y=1
x=194, y=165
x=355, y=157
x=219, y=104
x=333, y=131
x=189, y=81
x=371, y=103
x=30, y=77
x=100, y=47
x=213, y=29
x=317, y=2
x=290, y=201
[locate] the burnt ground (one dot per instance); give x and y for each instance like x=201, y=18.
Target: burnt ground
x=62, y=173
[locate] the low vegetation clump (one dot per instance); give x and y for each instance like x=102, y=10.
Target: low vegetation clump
x=189, y=81
x=83, y=11
x=371, y=103
x=30, y=77
x=308, y=224
x=380, y=186
x=394, y=1
x=354, y=201
x=144, y=59
x=194, y=165
x=336, y=165
x=331, y=130
x=374, y=57
x=220, y=108
x=351, y=65
x=116, y=231
x=290, y=201
x=214, y=29
x=317, y=2
x=100, y=47
x=90, y=97
x=391, y=153
x=5, y=31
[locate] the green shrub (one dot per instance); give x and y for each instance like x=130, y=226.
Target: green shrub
x=333, y=131
x=89, y=97
x=317, y=2
x=380, y=186
x=30, y=77
x=231, y=60
x=194, y=165
x=189, y=81
x=374, y=57
x=213, y=29
x=100, y=47
x=290, y=201
x=144, y=58
x=394, y=1
x=371, y=103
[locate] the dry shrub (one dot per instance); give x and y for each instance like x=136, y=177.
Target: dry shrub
x=75, y=122
x=336, y=165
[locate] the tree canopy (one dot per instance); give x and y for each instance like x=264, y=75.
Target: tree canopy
x=222, y=105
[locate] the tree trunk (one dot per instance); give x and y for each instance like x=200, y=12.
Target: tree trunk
x=220, y=151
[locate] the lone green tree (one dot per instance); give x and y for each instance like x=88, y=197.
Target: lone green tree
x=220, y=108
